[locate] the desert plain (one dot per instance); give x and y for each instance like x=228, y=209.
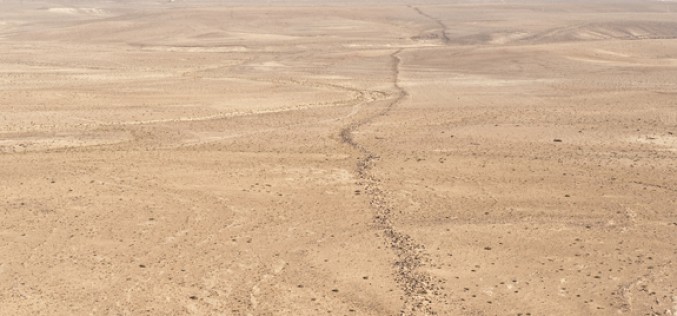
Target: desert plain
x=338, y=157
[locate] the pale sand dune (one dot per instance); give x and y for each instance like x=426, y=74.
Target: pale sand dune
x=307, y=157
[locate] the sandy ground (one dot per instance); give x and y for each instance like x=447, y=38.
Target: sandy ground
x=335, y=158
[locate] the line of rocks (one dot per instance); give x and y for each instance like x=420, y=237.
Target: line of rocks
x=419, y=288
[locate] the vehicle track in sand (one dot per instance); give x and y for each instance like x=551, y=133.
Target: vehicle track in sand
x=418, y=287
x=356, y=100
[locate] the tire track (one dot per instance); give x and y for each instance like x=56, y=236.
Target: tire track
x=359, y=97
x=419, y=288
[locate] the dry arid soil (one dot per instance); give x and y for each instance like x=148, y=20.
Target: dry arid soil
x=338, y=158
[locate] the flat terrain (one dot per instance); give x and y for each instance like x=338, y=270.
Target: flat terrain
x=333, y=158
